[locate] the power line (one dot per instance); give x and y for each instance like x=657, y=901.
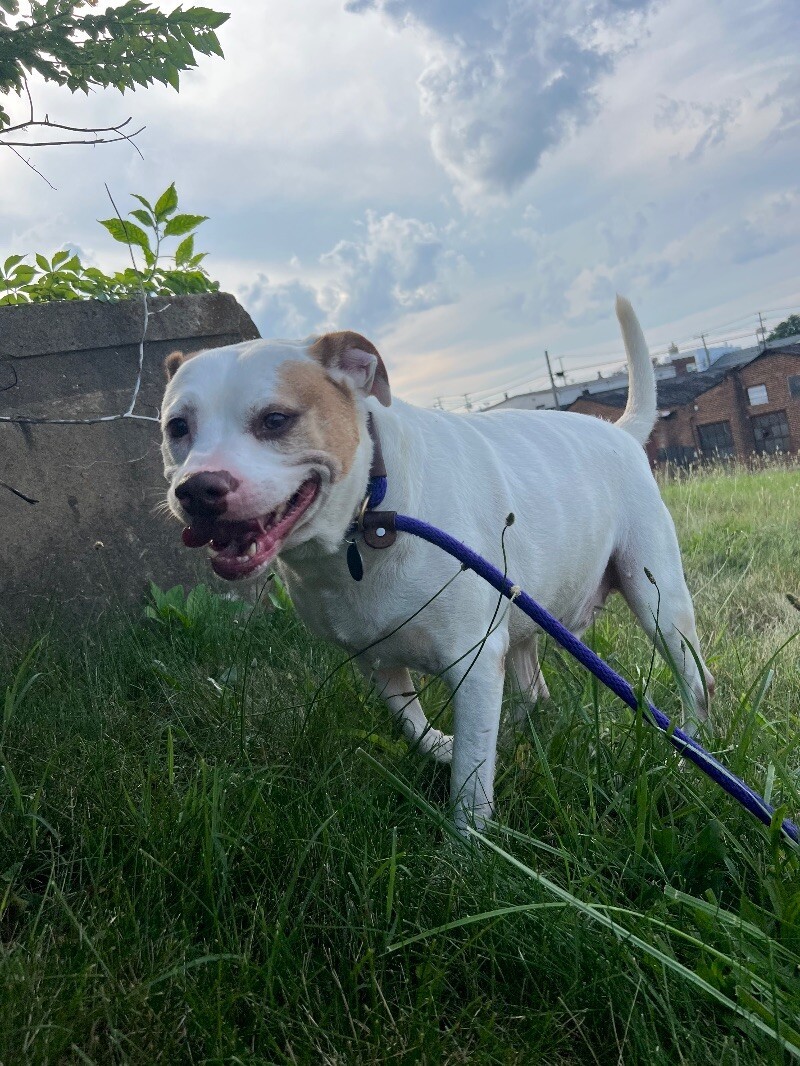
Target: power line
x=538, y=382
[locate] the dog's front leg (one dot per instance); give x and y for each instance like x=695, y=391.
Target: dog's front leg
x=397, y=689
x=478, y=697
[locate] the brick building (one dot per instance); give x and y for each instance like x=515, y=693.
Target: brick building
x=748, y=408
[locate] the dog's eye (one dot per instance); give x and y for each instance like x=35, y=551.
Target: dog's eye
x=275, y=423
x=177, y=428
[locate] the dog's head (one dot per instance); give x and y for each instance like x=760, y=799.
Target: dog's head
x=258, y=436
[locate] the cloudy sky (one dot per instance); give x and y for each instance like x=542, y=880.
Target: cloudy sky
x=467, y=182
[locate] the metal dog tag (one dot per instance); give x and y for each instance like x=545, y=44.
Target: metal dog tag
x=355, y=563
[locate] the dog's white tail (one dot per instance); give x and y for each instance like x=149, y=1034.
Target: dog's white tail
x=640, y=412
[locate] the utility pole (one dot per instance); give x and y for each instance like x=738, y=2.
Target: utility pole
x=552, y=380
x=702, y=337
x=763, y=331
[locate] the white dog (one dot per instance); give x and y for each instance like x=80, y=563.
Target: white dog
x=268, y=448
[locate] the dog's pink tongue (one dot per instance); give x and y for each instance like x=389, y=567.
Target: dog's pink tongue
x=195, y=538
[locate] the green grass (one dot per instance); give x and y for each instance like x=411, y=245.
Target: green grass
x=199, y=862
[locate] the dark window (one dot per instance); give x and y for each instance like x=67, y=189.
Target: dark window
x=794, y=386
x=771, y=432
x=716, y=440
x=677, y=454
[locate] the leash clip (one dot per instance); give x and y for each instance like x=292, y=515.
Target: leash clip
x=363, y=510
x=376, y=527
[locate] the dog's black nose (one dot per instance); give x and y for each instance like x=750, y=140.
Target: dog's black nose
x=206, y=493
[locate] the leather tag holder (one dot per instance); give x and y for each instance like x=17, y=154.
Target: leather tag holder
x=378, y=528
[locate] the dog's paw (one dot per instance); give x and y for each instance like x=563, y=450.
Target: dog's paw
x=438, y=746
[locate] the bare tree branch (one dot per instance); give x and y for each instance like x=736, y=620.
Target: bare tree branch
x=116, y=128
x=22, y=496
x=53, y=144
x=30, y=98
x=31, y=420
x=28, y=163
x=129, y=412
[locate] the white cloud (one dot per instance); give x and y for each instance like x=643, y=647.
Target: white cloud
x=506, y=80
x=284, y=309
x=701, y=126
x=625, y=236
x=770, y=226
x=395, y=266
x=544, y=297
x=400, y=265
x=786, y=95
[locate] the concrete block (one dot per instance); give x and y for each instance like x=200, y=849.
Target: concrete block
x=94, y=539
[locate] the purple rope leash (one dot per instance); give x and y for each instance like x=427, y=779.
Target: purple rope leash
x=686, y=746
x=378, y=487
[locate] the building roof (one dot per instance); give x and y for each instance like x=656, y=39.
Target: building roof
x=741, y=356
x=738, y=357
x=675, y=392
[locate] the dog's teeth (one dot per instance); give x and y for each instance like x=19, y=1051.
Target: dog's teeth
x=251, y=551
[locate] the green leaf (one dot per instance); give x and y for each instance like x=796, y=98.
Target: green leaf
x=42, y=263
x=173, y=76
x=12, y=262
x=145, y=203
x=23, y=274
x=181, y=224
x=144, y=216
x=125, y=232
x=208, y=17
x=212, y=45
x=60, y=257
x=166, y=203
x=184, y=251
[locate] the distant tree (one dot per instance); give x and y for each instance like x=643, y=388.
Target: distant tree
x=132, y=45
x=790, y=327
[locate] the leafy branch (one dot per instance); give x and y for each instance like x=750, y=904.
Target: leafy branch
x=124, y=47
x=65, y=277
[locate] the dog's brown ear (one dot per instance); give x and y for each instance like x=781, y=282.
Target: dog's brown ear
x=357, y=359
x=172, y=364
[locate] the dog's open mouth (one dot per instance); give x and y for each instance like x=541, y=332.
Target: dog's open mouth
x=239, y=548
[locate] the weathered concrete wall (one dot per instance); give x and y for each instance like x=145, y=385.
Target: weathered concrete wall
x=94, y=539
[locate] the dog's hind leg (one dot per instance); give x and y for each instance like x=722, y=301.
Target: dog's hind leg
x=653, y=585
x=527, y=681
x=397, y=689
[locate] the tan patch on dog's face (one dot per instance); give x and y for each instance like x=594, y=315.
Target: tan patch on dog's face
x=329, y=422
